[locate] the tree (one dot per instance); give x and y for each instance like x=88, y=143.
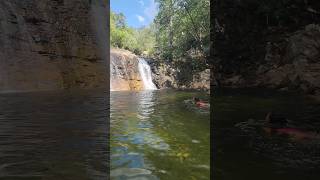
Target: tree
x=140, y=41
x=183, y=28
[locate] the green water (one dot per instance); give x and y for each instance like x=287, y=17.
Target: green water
x=242, y=151
x=156, y=135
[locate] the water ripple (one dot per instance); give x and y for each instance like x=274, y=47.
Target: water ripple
x=50, y=135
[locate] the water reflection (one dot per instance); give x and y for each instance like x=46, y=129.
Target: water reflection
x=136, y=131
x=144, y=127
x=146, y=103
x=53, y=135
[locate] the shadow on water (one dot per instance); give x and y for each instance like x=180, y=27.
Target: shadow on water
x=154, y=135
x=53, y=135
x=245, y=151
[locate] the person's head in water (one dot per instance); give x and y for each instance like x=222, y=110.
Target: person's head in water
x=276, y=120
x=196, y=99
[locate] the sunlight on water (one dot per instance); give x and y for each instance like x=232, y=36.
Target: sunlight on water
x=154, y=135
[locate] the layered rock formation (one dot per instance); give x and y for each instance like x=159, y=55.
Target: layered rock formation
x=291, y=64
x=271, y=44
x=53, y=44
x=124, y=71
x=298, y=67
x=125, y=74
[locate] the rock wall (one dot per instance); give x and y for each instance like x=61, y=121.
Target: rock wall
x=166, y=75
x=298, y=66
x=124, y=71
x=125, y=74
x=53, y=44
x=291, y=64
x=272, y=44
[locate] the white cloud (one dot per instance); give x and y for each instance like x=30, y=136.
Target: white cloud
x=141, y=3
x=151, y=10
x=140, y=18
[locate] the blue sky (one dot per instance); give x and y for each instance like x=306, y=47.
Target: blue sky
x=138, y=12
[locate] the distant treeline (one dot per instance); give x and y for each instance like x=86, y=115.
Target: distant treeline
x=140, y=41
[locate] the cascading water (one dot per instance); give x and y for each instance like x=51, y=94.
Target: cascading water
x=145, y=73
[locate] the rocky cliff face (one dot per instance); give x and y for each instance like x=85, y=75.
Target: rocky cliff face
x=270, y=44
x=124, y=71
x=165, y=75
x=125, y=74
x=53, y=44
x=298, y=67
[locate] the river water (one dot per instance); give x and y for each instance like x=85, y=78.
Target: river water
x=243, y=151
x=64, y=135
x=157, y=135
x=54, y=135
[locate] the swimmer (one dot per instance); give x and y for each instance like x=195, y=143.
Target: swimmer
x=279, y=124
x=200, y=103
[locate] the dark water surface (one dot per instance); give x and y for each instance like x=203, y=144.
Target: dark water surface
x=56, y=135
x=156, y=135
x=243, y=151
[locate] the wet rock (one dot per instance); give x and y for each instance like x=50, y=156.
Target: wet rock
x=144, y=177
x=124, y=71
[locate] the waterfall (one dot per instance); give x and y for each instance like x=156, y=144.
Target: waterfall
x=145, y=73
x=128, y=72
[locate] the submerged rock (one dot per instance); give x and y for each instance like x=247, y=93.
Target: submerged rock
x=144, y=177
x=202, y=166
x=129, y=172
x=195, y=141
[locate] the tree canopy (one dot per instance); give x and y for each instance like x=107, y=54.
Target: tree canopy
x=140, y=41
x=183, y=28
x=179, y=33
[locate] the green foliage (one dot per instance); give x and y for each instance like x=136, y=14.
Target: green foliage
x=140, y=41
x=183, y=28
x=179, y=34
